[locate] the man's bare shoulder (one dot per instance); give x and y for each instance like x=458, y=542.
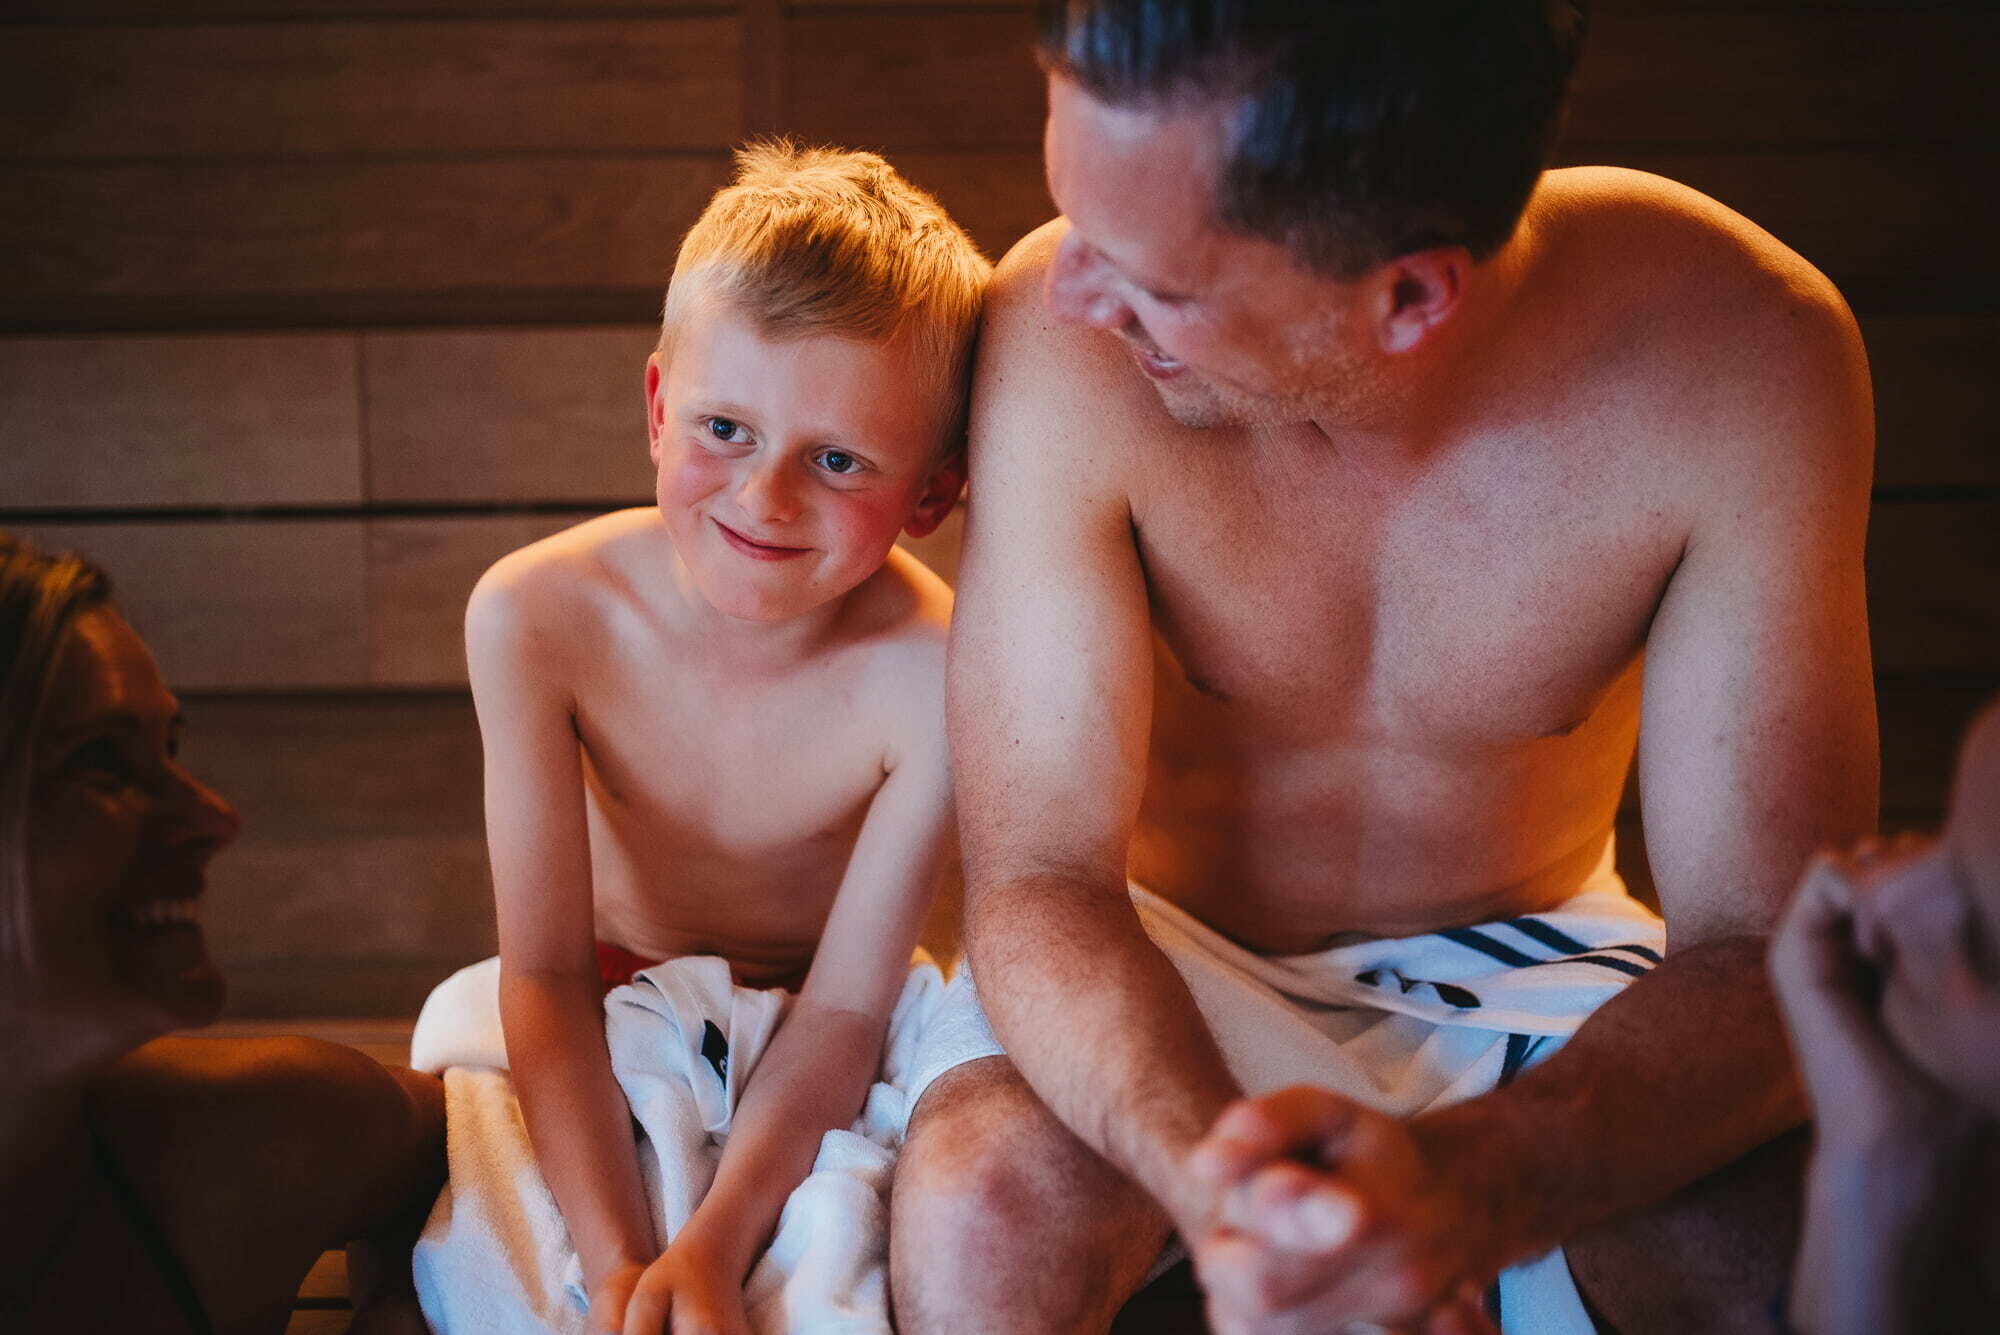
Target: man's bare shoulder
x=1709, y=324
x=1064, y=389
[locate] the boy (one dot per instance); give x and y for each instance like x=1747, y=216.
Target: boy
x=716, y=727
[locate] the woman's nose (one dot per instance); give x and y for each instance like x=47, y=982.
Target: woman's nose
x=204, y=815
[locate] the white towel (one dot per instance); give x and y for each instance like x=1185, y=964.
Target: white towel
x=1402, y=1024
x=495, y=1256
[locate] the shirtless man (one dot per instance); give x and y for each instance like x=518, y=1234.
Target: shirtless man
x=1339, y=532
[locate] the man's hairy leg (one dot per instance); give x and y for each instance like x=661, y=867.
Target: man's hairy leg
x=1002, y=1220
x=1711, y=1257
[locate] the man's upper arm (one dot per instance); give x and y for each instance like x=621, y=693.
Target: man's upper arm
x=1050, y=682
x=535, y=828
x=1757, y=741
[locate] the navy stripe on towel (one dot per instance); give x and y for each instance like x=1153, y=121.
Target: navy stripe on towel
x=1518, y=1048
x=1555, y=939
x=1608, y=961
x=1645, y=953
x=1486, y=945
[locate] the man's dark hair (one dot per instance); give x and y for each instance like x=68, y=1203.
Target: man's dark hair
x=1362, y=129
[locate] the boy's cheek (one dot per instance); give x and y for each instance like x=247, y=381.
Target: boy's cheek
x=689, y=474
x=868, y=520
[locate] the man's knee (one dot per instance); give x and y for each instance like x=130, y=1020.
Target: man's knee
x=1710, y=1257
x=983, y=1149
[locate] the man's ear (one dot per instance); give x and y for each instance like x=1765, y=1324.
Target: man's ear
x=656, y=407
x=941, y=492
x=1417, y=293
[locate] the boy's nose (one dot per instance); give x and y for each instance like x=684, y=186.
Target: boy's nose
x=1078, y=290
x=767, y=494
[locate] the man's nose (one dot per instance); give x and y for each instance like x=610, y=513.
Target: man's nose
x=1079, y=290
x=767, y=494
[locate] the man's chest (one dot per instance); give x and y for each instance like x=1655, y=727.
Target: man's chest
x=1451, y=613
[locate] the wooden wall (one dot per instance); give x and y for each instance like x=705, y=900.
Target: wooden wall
x=311, y=308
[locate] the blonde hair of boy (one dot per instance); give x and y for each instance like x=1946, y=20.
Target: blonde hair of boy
x=820, y=241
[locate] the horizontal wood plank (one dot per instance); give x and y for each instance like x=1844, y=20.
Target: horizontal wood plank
x=1937, y=399
x=1886, y=225
x=302, y=89
x=209, y=11
x=289, y=243
x=1934, y=586
x=269, y=419
x=420, y=573
x=1923, y=722
x=263, y=605
x=508, y=414
x=1745, y=76
x=1721, y=77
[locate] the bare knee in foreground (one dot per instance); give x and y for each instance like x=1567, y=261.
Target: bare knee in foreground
x=1004, y=1221
x=1712, y=1257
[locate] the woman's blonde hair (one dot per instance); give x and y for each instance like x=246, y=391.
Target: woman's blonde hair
x=41, y=593
x=820, y=241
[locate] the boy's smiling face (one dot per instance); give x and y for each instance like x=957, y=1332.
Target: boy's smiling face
x=787, y=468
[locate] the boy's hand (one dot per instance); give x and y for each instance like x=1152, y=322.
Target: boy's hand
x=687, y=1291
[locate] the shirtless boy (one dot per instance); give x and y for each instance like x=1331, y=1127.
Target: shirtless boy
x=1354, y=499
x=716, y=727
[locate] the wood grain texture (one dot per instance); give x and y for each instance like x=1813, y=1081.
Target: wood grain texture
x=118, y=423
x=1744, y=76
x=1889, y=226
x=508, y=414
x=1937, y=399
x=1721, y=76
x=1934, y=586
x=420, y=573
x=303, y=89
x=252, y=605
x=901, y=81
x=280, y=243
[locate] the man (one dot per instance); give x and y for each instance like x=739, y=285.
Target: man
x=1359, y=501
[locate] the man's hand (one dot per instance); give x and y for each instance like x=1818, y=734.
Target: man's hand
x=687, y=1291
x=1323, y=1212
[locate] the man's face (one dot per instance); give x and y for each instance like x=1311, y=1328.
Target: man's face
x=1229, y=330
x=786, y=469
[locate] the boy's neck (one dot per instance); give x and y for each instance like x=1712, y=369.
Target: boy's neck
x=742, y=644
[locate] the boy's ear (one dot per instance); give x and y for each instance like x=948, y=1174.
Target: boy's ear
x=656, y=407
x=940, y=494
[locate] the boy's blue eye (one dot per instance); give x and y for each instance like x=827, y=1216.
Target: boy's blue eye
x=838, y=461
x=723, y=428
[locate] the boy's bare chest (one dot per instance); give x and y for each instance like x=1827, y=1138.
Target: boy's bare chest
x=1442, y=614
x=707, y=770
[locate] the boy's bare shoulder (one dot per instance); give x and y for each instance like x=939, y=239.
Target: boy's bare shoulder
x=556, y=591
x=898, y=624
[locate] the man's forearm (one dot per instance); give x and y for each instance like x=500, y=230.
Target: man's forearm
x=1683, y=1072
x=1100, y=1024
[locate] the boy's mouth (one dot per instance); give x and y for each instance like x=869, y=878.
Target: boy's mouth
x=756, y=551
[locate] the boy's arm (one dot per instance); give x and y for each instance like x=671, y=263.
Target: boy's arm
x=551, y=1007
x=817, y=1071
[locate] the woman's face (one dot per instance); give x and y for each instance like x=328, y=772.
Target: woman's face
x=119, y=838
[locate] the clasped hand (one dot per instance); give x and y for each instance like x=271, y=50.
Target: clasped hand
x=1316, y=1214
x=686, y=1291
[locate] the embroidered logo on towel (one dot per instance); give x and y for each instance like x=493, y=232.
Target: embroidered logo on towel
x=716, y=1049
